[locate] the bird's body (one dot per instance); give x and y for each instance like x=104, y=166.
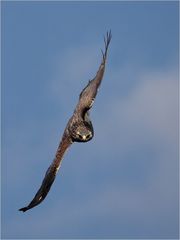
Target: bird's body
x=79, y=129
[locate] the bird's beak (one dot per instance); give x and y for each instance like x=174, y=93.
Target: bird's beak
x=84, y=137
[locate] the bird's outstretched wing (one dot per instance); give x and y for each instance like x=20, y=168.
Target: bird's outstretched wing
x=50, y=174
x=86, y=99
x=88, y=94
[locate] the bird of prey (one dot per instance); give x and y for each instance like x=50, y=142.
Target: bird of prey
x=79, y=128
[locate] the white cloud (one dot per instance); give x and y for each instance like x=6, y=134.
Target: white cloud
x=149, y=111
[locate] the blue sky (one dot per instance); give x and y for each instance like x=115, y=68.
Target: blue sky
x=123, y=183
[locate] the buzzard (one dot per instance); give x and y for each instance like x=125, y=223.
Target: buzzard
x=79, y=128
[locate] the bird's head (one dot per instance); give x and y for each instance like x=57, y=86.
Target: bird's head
x=82, y=133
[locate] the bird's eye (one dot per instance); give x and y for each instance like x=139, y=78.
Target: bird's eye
x=79, y=135
x=88, y=136
x=83, y=137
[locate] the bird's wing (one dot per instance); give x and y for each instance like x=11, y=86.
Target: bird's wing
x=50, y=174
x=89, y=93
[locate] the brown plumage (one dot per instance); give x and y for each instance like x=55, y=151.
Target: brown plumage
x=78, y=129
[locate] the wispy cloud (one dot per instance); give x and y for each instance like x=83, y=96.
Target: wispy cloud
x=149, y=110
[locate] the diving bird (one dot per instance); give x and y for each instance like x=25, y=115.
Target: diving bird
x=79, y=128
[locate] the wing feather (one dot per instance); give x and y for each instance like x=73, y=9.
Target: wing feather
x=88, y=94
x=50, y=175
x=86, y=100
